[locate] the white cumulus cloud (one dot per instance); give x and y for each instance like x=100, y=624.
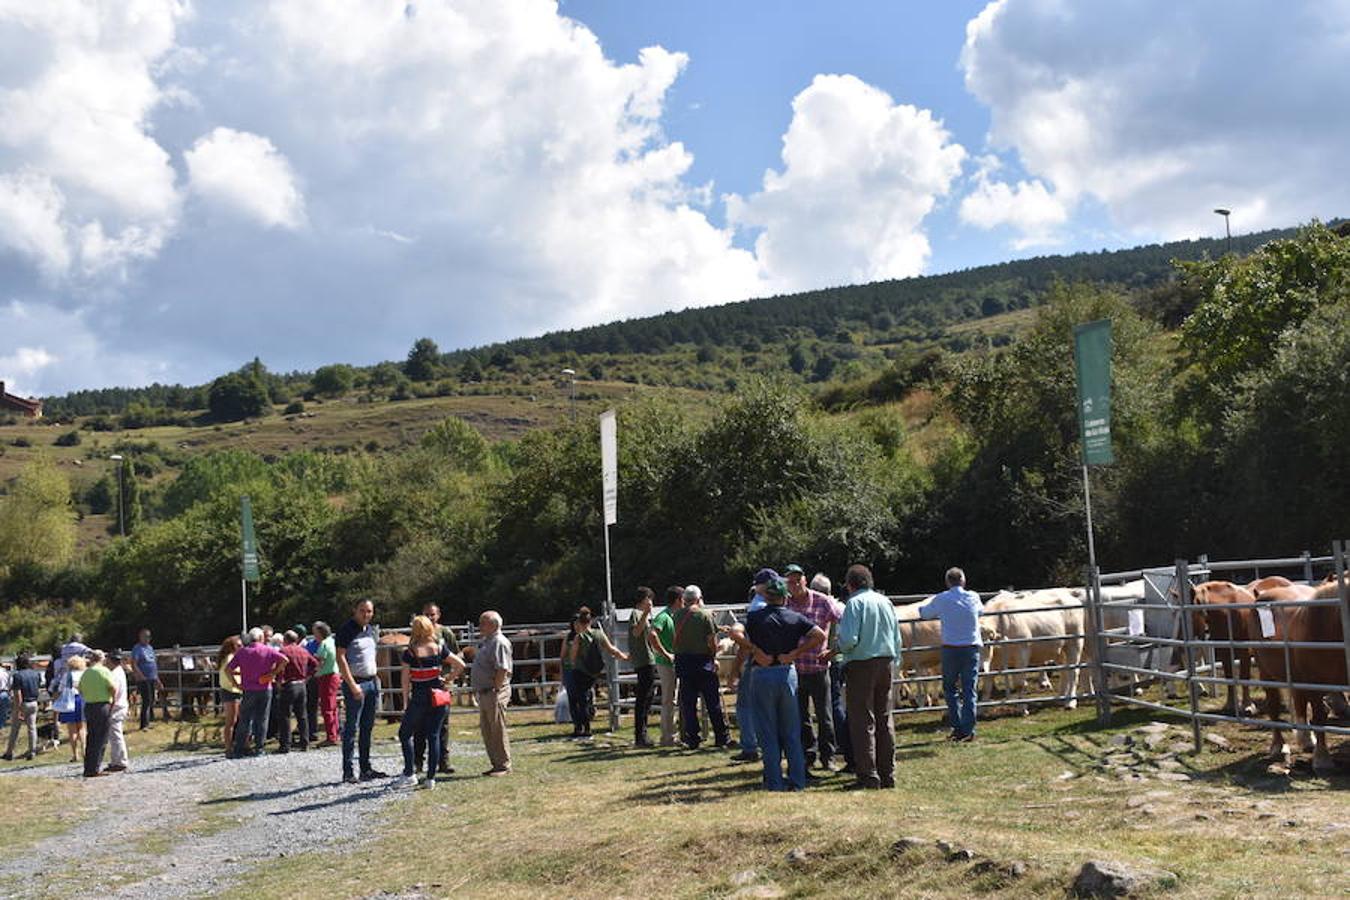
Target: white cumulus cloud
x=77, y=160
x=1161, y=111
x=860, y=173
x=246, y=173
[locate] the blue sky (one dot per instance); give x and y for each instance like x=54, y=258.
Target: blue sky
x=184, y=187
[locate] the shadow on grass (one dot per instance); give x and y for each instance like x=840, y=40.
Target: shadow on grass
x=356, y=796
x=686, y=787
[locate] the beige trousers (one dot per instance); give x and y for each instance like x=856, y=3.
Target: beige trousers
x=492, y=723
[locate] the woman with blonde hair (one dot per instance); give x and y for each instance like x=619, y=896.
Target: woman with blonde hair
x=423, y=662
x=230, y=691
x=72, y=704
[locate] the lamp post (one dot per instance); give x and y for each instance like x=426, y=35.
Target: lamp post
x=571, y=375
x=1227, y=231
x=121, y=496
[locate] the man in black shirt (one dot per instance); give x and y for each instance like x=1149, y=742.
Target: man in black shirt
x=775, y=636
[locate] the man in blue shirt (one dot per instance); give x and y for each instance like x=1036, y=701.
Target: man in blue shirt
x=146, y=667
x=959, y=612
x=745, y=687
x=775, y=637
x=869, y=642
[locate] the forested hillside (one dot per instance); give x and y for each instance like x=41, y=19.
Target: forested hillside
x=940, y=430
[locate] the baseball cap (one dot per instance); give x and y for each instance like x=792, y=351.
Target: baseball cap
x=776, y=587
x=794, y=569
x=764, y=576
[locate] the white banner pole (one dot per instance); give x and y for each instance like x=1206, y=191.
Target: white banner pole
x=609, y=471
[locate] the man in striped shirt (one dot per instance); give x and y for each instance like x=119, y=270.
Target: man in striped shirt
x=813, y=669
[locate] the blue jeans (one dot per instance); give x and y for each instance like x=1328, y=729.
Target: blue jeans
x=422, y=719
x=960, y=664
x=4, y=708
x=745, y=710
x=253, y=709
x=360, y=712
x=779, y=726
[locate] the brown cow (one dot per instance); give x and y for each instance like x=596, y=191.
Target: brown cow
x=1216, y=623
x=1319, y=624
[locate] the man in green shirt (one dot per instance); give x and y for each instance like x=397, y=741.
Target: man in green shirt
x=696, y=669
x=640, y=654
x=661, y=639
x=96, y=687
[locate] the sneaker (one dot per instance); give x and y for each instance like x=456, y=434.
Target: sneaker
x=115, y=769
x=445, y=769
x=725, y=743
x=496, y=773
x=429, y=783
x=744, y=757
x=887, y=784
x=95, y=774
x=350, y=779
x=7, y=756
x=372, y=775
x=28, y=755
x=964, y=738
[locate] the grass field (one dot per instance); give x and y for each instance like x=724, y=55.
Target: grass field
x=602, y=819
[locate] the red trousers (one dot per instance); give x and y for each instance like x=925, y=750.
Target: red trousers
x=328, y=694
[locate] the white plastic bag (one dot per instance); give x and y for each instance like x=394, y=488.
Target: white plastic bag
x=562, y=713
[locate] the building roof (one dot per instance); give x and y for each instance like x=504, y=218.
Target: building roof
x=27, y=406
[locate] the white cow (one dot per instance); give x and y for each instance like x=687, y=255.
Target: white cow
x=1060, y=614
x=916, y=632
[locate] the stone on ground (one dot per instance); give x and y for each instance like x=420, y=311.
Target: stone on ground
x=1103, y=878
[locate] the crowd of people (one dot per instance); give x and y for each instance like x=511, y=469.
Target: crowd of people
x=815, y=673
x=814, y=685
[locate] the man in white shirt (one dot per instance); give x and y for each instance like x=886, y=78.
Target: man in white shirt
x=117, y=741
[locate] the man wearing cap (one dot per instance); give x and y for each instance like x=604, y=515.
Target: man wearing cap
x=958, y=610
x=813, y=673
x=869, y=641
x=661, y=637
x=777, y=636
x=291, y=692
x=696, y=669
x=745, y=687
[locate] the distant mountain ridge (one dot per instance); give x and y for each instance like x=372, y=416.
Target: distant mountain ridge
x=918, y=306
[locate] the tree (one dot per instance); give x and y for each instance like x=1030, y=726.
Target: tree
x=334, y=380
x=236, y=396
x=1245, y=303
x=37, y=518
x=459, y=443
x=130, y=500
x=797, y=359
x=424, y=361
x=471, y=369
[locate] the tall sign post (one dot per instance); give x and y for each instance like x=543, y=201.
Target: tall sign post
x=1092, y=358
x=609, y=480
x=250, y=555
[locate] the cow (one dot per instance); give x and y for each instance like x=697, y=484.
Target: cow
x=1216, y=623
x=917, y=632
x=1307, y=665
x=1059, y=614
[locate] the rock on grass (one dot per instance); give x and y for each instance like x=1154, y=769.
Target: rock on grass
x=1103, y=878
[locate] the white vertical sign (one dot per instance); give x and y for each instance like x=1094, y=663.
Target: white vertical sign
x=609, y=465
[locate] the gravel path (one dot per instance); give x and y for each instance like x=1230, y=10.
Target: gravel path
x=185, y=825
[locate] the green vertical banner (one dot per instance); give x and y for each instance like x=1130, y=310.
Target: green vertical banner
x=1092, y=353
x=250, y=540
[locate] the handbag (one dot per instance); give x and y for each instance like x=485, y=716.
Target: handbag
x=65, y=701
x=441, y=697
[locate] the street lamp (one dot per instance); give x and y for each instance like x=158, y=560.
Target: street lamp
x=1228, y=231
x=121, y=496
x=571, y=375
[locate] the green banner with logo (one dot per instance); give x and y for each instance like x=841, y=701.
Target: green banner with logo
x=250, y=540
x=1092, y=353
